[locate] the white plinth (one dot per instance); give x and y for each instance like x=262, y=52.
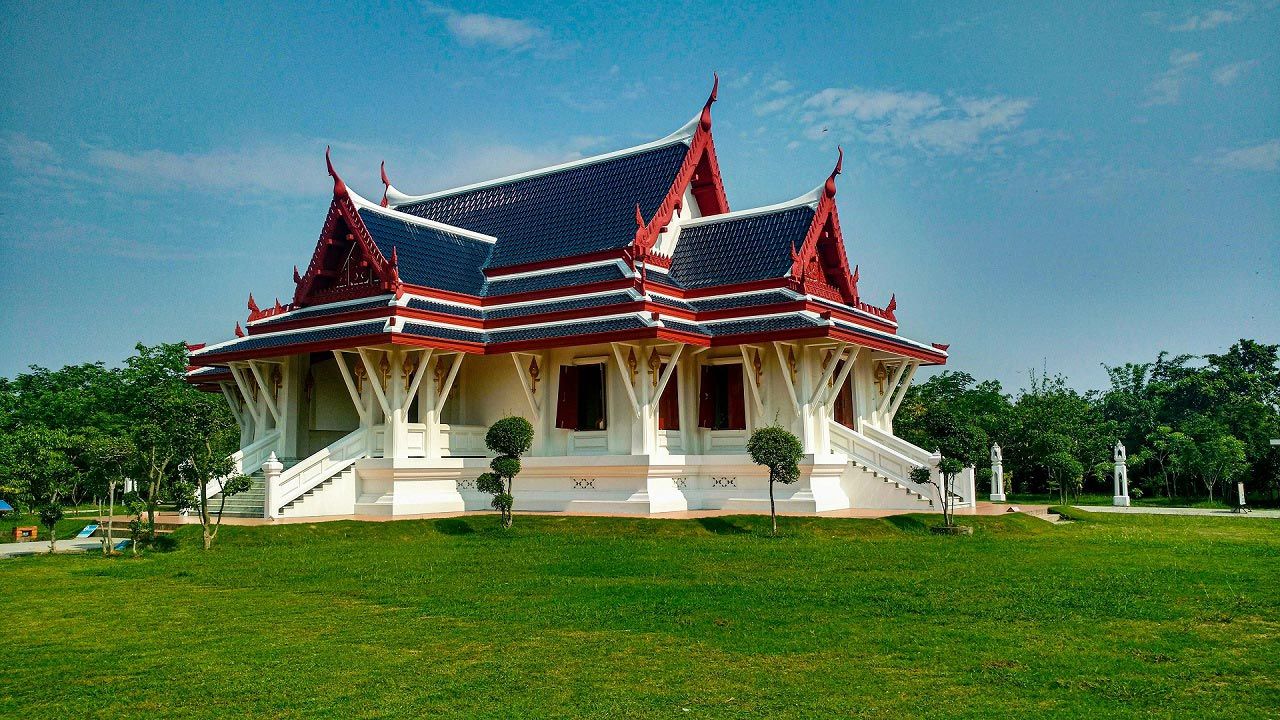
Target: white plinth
x=1120, y=500
x=997, y=497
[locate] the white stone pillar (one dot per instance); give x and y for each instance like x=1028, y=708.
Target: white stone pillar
x=271, y=470
x=997, y=473
x=1121, y=498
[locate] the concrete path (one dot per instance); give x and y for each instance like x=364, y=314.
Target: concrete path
x=1141, y=510
x=40, y=547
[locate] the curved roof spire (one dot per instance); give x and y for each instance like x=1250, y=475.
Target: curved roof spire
x=705, y=119
x=830, y=186
x=386, y=184
x=339, y=187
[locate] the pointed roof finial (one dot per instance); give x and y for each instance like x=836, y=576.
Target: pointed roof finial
x=277, y=307
x=830, y=187
x=705, y=121
x=239, y=330
x=339, y=187
x=296, y=277
x=253, y=306
x=386, y=184
x=395, y=264
x=855, y=274
x=893, y=304
x=639, y=217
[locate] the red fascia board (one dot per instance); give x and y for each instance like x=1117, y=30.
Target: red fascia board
x=320, y=320
x=851, y=317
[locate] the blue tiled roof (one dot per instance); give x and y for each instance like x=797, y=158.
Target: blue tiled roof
x=474, y=313
x=259, y=342
x=581, y=209
x=738, y=250
x=566, y=279
x=323, y=310
x=741, y=300
x=559, y=305
x=771, y=324
x=631, y=322
x=429, y=257
x=207, y=371
x=442, y=333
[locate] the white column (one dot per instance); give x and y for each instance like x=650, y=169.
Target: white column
x=997, y=474
x=1121, y=498
x=271, y=470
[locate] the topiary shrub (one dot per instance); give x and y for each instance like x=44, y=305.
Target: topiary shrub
x=509, y=438
x=779, y=450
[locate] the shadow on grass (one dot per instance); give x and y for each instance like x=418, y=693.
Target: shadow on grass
x=453, y=526
x=721, y=526
x=908, y=523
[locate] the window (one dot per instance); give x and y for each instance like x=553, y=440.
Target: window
x=580, y=404
x=721, y=403
x=843, y=410
x=669, y=403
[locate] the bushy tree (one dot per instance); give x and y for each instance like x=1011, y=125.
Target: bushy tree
x=509, y=438
x=779, y=450
x=206, y=438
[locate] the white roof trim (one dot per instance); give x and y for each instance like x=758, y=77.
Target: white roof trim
x=811, y=199
x=560, y=269
x=683, y=135
x=293, y=331
x=787, y=291
x=850, y=308
x=361, y=202
x=391, y=300
x=510, y=328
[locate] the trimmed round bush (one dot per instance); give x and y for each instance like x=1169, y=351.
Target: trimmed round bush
x=510, y=436
x=507, y=467
x=779, y=450
x=490, y=483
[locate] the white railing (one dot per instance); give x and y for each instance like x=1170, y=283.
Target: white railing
x=964, y=485
x=888, y=461
x=460, y=440
x=321, y=466
x=248, y=460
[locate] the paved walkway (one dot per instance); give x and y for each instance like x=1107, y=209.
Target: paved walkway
x=1144, y=510
x=40, y=547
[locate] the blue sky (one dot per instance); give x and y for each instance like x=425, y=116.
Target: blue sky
x=1047, y=185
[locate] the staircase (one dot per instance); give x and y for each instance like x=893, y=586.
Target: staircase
x=909, y=498
x=250, y=503
x=304, y=504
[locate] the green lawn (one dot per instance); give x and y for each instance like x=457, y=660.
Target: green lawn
x=67, y=527
x=594, y=617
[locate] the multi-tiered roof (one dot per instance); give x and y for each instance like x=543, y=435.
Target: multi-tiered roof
x=633, y=244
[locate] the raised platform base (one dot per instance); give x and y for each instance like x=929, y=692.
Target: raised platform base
x=1120, y=500
x=997, y=497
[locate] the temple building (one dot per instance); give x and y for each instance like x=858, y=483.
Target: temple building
x=642, y=327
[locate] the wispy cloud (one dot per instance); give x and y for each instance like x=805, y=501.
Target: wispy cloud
x=1264, y=157
x=1206, y=20
x=933, y=124
x=1228, y=74
x=1166, y=89
x=493, y=30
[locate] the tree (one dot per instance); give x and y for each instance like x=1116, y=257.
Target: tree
x=1066, y=474
x=1220, y=458
x=779, y=450
x=206, y=437
x=36, y=461
x=509, y=438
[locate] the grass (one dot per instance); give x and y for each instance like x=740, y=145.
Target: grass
x=1116, y=616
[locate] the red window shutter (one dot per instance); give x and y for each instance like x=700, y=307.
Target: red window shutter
x=669, y=403
x=567, y=398
x=737, y=404
x=706, y=398
x=844, y=404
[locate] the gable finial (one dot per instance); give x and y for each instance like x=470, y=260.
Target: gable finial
x=296, y=277
x=239, y=330
x=395, y=265
x=855, y=274
x=705, y=120
x=386, y=184
x=339, y=187
x=830, y=187
x=893, y=304
x=253, y=306
x=277, y=307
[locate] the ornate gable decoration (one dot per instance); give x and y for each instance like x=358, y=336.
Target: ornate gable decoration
x=820, y=265
x=700, y=172
x=346, y=263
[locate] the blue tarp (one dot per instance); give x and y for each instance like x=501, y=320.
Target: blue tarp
x=5, y=507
